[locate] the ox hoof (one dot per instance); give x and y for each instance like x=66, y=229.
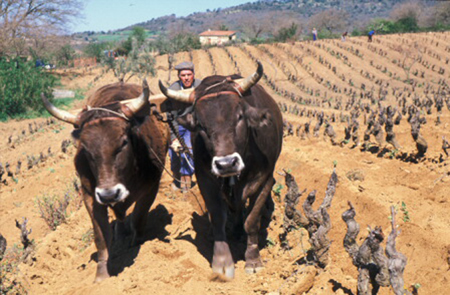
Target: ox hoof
x=222, y=262
x=226, y=271
x=253, y=267
x=252, y=270
x=102, y=272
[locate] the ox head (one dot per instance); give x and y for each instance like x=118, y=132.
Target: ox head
x=222, y=118
x=105, y=157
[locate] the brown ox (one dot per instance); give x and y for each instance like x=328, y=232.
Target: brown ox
x=118, y=147
x=237, y=137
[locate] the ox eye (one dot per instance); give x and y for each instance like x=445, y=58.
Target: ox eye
x=240, y=117
x=122, y=146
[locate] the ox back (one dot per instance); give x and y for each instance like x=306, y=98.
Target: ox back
x=236, y=143
x=119, y=159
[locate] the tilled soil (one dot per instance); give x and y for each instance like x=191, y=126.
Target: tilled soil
x=175, y=259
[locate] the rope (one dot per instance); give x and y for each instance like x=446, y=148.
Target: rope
x=180, y=139
x=179, y=180
x=189, y=163
x=110, y=111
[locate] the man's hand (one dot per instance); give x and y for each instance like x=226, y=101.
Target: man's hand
x=175, y=145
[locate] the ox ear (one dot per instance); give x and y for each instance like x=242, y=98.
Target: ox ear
x=76, y=134
x=187, y=121
x=257, y=118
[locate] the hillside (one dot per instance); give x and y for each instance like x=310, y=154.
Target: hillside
x=305, y=78
x=268, y=15
x=287, y=11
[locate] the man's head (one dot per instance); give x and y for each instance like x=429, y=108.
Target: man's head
x=186, y=73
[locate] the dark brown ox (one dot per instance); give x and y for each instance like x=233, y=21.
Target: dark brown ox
x=119, y=159
x=237, y=137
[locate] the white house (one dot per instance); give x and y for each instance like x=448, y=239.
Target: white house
x=217, y=37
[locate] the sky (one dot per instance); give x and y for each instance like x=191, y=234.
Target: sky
x=105, y=15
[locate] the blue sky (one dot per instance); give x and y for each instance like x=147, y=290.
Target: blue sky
x=104, y=15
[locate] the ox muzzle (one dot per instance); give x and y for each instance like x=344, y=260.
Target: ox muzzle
x=229, y=165
x=111, y=195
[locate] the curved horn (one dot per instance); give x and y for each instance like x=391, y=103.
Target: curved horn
x=183, y=96
x=251, y=80
x=57, y=113
x=135, y=105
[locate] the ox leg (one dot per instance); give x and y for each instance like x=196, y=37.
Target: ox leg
x=253, y=263
x=102, y=235
x=140, y=213
x=222, y=262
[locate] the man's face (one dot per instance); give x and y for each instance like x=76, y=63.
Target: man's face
x=186, y=77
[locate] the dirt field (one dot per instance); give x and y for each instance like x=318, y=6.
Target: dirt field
x=176, y=257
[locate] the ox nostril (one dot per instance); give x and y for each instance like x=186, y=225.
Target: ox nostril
x=218, y=165
x=234, y=161
x=103, y=200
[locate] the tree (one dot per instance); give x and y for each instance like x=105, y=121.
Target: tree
x=223, y=27
x=139, y=62
x=441, y=14
x=410, y=10
x=65, y=54
x=138, y=34
x=286, y=34
x=179, y=42
x=96, y=49
x=407, y=16
x=23, y=21
x=332, y=20
x=254, y=26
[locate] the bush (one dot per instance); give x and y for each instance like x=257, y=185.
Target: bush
x=286, y=34
x=97, y=49
x=53, y=210
x=22, y=84
x=65, y=55
x=403, y=25
x=9, y=272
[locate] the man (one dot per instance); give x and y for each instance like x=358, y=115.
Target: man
x=182, y=165
x=314, y=33
x=370, y=35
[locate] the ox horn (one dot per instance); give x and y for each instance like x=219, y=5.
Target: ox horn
x=183, y=96
x=251, y=80
x=57, y=113
x=136, y=104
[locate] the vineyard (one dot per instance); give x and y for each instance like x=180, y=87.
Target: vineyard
x=377, y=113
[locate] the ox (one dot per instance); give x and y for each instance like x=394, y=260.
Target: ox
x=237, y=132
x=119, y=159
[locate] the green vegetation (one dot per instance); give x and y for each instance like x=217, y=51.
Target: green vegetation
x=277, y=191
x=406, y=24
x=117, y=36
x=9, y=271
x=406, y=217
x=54, y=209
x=286, y=34
x=22, y=84
x=96, y=49
x=65, y=55
x=137, y=35
x=180, y=42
